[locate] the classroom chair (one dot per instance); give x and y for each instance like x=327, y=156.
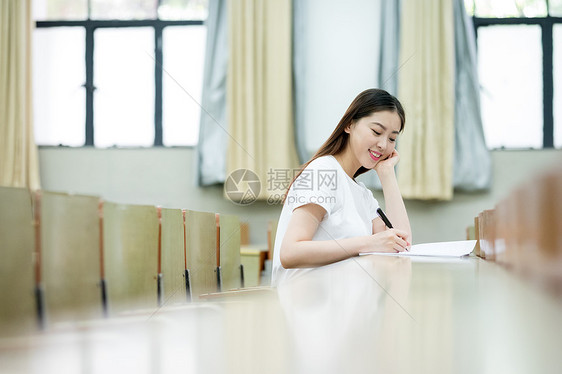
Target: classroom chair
x=501, y=228
x=172, y=288
x=201, y=255
x=130, y=257
x=244, y=233
x=477, y=237
x=470, y=233
x=271, y=233
x=18, y=313
x=71, y=257
x=544, y=219
x=487, y=236
x=231, y=269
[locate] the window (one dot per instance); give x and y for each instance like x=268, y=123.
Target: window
x=519, y=62
x=118, y=72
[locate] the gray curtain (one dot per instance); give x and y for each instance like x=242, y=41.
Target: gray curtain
x=299, y=73
x=472, y=166
x=213, y=131
x=390, y=45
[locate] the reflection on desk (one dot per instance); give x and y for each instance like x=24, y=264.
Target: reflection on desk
x=364, y=315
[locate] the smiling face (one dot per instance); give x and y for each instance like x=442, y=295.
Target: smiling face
x=373, y=138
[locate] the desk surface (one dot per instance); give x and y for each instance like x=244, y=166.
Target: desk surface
x=369, y=314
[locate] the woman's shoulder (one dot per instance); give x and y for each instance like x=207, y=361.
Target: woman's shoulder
x=327, y=161
x=321, y=167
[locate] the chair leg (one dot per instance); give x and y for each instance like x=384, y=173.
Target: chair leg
x=160, y=290
x=187, y=286
x=104, y=297
x=40, y=306
x=219, y=285
x=241, y=276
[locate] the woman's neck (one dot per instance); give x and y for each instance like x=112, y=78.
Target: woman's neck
x=348, y=162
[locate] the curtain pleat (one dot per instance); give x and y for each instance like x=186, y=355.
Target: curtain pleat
x=213, y=131
x=426, y=89
x=259, y=86
x=473, y=164
x=299, y=78
x=19, y=166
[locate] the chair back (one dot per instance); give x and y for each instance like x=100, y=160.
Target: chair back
x=130, y=256
x=201, y=253
x=172, y=257
x=70, y=257
x=17, y=245
x=230, y=252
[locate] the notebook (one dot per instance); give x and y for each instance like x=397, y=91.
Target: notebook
x=440, y=249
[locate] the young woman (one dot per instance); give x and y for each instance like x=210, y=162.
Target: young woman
x=327, y=215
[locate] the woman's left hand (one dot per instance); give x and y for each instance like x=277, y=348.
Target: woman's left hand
x=389, y=163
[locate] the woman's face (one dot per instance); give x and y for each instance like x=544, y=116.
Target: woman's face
x=373, y=138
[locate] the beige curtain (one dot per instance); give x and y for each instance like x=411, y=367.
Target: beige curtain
x=426, y=89
x=18, y=152
x=259, y=90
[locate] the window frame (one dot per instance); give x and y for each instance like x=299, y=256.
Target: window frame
x=546, y=24
x=90, y=27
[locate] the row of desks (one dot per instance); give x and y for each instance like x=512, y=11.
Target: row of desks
x=367, y=314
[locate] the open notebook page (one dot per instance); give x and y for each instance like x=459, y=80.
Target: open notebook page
x=441, y=249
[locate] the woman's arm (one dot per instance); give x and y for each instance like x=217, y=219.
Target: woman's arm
x=394, y=204
x=299, y=250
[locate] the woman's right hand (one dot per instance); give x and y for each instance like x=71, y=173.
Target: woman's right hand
x=389, y=241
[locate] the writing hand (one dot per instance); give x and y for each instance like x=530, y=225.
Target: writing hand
x=390, y=241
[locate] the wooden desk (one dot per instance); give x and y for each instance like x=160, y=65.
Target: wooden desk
x=370, y=314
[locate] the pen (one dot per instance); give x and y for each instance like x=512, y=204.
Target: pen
x=384, y=219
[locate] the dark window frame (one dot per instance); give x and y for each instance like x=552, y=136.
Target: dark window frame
x=90, y=27
x=547, y=24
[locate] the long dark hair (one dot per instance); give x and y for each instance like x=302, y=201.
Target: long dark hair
x=366, y=103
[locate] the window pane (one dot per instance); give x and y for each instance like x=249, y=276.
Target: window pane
x=59, y=100
x=183, y=9
x=510, y=67
x=50, y=10
x=123, y=9
x=557, y=72
x=510, y=8
x=555, y=8
x=124, y=77
x=184, y=55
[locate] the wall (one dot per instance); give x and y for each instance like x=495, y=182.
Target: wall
x=342, y=40
x=166, y=177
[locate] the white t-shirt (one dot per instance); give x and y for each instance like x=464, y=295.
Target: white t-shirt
x=350, y=208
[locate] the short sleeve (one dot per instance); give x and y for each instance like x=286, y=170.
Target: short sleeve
x=317, y=184
x=373, y=204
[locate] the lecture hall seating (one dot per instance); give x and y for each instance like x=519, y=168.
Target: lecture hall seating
x=17, y=265
x=70, y=257
x=201, y=255
x=523, y=231
x=231, y=270
x=130, y=257
x=173, y=287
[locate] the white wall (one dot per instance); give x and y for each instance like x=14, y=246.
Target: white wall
x=155, y=176
x=166, y=177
